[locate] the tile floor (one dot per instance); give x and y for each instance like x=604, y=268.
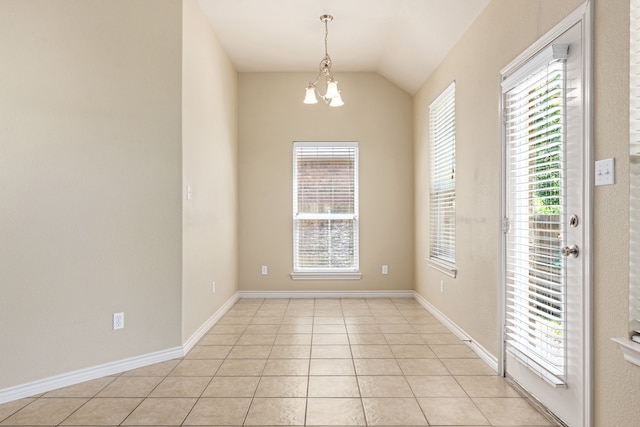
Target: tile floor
x=295, y=362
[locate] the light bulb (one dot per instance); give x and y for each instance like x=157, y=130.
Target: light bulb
x=336, y=102
x=332, y=89
x=310, y=96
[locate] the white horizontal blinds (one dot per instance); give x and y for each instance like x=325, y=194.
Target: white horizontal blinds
x=325, y=207
x=535, y=274
x=634, y=166
x=442, y=212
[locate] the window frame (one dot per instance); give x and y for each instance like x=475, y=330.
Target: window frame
x=442, y=141
x=353, y=272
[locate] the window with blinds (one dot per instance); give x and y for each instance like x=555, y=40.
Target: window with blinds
x=442, y=194
x=634, y=172
x=534, y=101
x=325, y=207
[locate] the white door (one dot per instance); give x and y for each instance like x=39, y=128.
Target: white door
x=544, y=226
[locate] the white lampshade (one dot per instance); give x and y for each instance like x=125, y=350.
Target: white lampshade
x=310, y=97
x=332, y=89
x=336, y=101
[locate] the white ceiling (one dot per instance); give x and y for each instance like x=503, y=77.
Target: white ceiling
x=403, y=40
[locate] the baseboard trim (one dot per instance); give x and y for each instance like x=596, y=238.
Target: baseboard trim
x=94, y=372
x=87, y=374
x=326, y=294
x=482, y=352
x=202, y=330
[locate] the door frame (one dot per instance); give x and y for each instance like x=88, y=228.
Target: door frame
x=584, y=15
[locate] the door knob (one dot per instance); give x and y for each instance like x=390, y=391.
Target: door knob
x=570, y=251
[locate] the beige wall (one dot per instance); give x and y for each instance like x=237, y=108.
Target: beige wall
x=209, y=159
x=377, y=114
x=90, y=179
x=505, y=29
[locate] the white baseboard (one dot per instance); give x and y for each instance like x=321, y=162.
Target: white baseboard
x=94, y=372
x=482, y=352
x=202, y=330
x=326, y=294
x=87, y=374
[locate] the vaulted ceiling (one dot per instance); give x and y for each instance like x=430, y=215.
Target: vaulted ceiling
x=403, y=40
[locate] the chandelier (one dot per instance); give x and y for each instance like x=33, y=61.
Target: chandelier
x=332, y=94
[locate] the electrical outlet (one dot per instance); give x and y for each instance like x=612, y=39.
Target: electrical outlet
x=118, y=321
x=441, y=286
x=265, y=270
x=385, y=269
x=213, y=287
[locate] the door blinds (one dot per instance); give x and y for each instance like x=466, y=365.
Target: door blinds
x=535, y=276
x=325, y=207
x=442, y=210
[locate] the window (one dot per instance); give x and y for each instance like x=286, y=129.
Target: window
x=442, y=195
x=325, y=210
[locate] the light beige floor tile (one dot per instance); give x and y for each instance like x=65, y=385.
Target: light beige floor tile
x=181, y=387
x=219, y=339
x=161, y=369
x=293, y=339
x=510, y=411
x=415, y=318
x=422, y=367
x=85, y=389
x=435, y=386
x=335, y=411
x=235, y=320
x=45, y=411
x=271, y=312
x=331, y=367
x=256, y=339
x=264, y=321
x=295, y=328
x=363, y=329
x=250, y=352
x=103, y=411
x=367, y=339
x=276, y=411
x=404, y=339
x=436, y=328
x=333, y=386
x=208, y=352
x=467, y=367
x=440, y=338
x=241, y=368
x=334, y=320
x=410, y=351
x=329, y=329
x=356, y=312
x=196, y=368
x=330, y=339
x=130, y=387
x=453, y=351
x=290, y=352
x=397, y=329
x=371, y=351
x=228, y=329
x=275, y=367
x=384, y=386
x=305, y=319
x=282, y=387
x=211, y=411
x=377, y=367
x=10, y=408
x=330, y=352
x=452, y=411
x=360, y=320
x=486, y=386
x=393, y=411
x=231, y=387
x=262, y=329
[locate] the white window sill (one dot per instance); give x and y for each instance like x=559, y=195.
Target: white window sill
x=447, y=269
x=630, y=349
x=326, y=276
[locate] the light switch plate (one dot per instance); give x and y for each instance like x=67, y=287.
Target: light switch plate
x=605, y=172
